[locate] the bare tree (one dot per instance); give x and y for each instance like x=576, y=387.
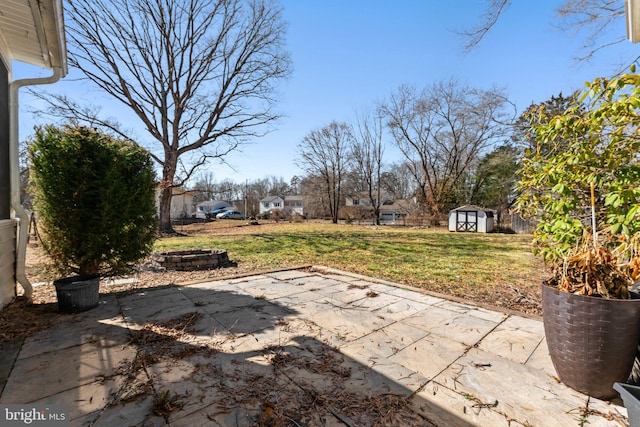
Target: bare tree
x=396, y=181
x=366, y=153
x=324, y=153
x=204, y=188
x=592, y=18
x=198, y=74
x=474, y=36
x=441, y=131
x=278, y=186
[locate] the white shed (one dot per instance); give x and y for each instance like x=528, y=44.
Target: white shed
x=471, y=218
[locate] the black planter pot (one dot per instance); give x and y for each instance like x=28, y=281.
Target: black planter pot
x=592, y=341
x=77, y=293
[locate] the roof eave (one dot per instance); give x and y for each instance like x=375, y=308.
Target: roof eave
x=33, y=32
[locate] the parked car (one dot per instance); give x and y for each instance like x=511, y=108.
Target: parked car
x=230, y=214
x=214, y=213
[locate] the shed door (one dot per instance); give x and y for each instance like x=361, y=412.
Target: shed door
x=466, y=221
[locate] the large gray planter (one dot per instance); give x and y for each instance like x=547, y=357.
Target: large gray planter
x=631, y=397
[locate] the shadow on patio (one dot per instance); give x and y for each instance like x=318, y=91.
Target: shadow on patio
x=205, y=356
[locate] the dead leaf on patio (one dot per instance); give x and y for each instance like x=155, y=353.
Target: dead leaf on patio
x=165, y=403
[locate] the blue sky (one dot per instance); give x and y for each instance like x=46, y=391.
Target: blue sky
x=347, y=55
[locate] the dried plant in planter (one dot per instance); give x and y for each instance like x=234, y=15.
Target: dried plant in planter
x=594, y=270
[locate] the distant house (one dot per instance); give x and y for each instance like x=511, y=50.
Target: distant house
x=181, y=203
x=361, y=199
x=471, y=218
x=396, y=211
x=390, y=210
x=294, y=205
x=286, y=204
x=270, y=203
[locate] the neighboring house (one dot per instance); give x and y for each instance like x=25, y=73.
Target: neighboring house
x=31, y=32
x=396, y=211
x=361, y=199
x=270, y=203
x=294, y=205
x=471, y=218
x=181, y=203
x=390, y=210
x=210, y=206
x=288, y=204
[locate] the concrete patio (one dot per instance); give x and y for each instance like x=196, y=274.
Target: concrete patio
x=295, y=347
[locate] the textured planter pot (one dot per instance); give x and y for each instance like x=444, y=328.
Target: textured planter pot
x=592, y=341
x=77, y=293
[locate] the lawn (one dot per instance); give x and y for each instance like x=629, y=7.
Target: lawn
x=489, y=268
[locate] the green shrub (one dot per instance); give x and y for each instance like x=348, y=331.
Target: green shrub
x=95, y=200
x=592, y=146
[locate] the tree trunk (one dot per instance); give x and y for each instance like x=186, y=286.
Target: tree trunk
x=165, y=226
x=166, y=192
x=376, y=215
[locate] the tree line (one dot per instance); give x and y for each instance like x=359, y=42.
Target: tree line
x=201, y=76
x=456, y=145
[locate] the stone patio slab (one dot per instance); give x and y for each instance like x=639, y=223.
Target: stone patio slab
x=290, y=274
x=446, y=407
x=375, y=301
x=86, y=399
x=67, y=335
x=402, y=309
x=295, y=299
x=223, y=301
x=314, y=282
x=197, y=290
x=349, y=323
x=463, y=328
x=430, y=355
x=472, y=310
x=135, y=413
x=8, y=354
x=489, y=378
x=383, y=343
x=342, y=297
x=516, y=339
x=271, y=289
x=540, y=359
x=51, y=373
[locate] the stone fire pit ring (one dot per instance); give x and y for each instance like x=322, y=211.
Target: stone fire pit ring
x=195, y=259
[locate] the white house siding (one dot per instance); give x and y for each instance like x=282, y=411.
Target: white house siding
x=7, y=261
x=181, y=203
x=294, y=204
x=269, y=203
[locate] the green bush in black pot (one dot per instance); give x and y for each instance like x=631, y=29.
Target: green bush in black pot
x=95, y=201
